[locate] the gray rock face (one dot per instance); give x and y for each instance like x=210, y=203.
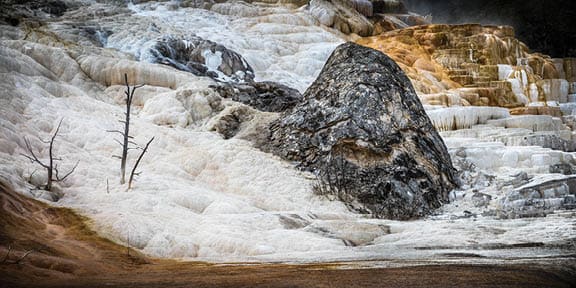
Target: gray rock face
x=13, y=11
x=540, y=199
x=346, y=16
x=549, y=141
x=389, y=7
x=362, y=129
x=264, y=96
x=203, y=58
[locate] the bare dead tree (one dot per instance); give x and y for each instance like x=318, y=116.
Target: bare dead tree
x=138, y=162
x=126, y=138
x=52, y=171
x=126, y=133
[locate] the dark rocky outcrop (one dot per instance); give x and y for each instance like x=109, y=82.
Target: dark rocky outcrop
x=389, y=7
x=97, y=35
x=540, y=198
x=346, y=16
x=264, y=96
x=363, y=7
x=545, y=26
x=202, y=58
x=363, y=130
x=13, y=11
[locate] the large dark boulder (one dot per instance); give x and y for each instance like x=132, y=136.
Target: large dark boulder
x=362, y=129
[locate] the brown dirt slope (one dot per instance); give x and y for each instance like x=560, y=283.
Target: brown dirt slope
x=61, y=245
x=66, y=253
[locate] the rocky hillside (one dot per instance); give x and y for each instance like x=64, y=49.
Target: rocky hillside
x=216, y=80
x=547, y=27
x=474, y=65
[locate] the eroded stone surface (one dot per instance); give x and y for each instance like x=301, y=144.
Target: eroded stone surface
x=362, y=128
x=265, y=96
x=203, y=58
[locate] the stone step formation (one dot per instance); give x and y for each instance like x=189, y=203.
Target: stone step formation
x=464, y=75
x=446, y=60
x=462, y=161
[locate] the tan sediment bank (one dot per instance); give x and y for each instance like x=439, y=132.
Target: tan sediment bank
x=68, y=254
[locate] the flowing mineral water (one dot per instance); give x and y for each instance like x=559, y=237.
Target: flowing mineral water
x=281, y=44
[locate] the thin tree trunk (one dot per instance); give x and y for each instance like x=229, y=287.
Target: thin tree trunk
x=51, y=157
x=126, y=131
x=49, y=182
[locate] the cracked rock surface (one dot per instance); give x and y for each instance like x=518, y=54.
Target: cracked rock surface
x=362, y=129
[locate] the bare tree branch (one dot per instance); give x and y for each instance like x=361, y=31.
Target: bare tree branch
x=31, y=159
x=51, y=156
x=115, y=131
x=51, y=167
x=57, y=130
x=33, y=156
x=138, y=162
x=68, y=174
x=32, y=175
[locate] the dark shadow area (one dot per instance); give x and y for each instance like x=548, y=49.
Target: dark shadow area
x=548, y=27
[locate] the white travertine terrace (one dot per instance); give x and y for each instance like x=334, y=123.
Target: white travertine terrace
x=201, y=197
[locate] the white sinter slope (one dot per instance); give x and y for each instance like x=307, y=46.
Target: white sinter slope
x=201, y=197
x=281, y=44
